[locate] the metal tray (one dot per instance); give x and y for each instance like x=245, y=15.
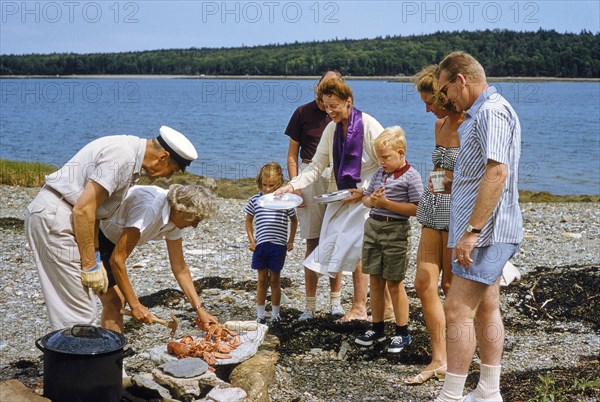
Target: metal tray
x=334, y=196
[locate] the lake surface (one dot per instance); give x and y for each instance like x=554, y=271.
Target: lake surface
x=238, y=125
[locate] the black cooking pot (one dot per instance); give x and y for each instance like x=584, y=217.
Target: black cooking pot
x=83, y=364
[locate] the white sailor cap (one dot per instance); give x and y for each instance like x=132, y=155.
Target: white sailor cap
x=180, y=148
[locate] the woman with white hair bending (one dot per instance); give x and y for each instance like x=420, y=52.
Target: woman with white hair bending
x=151, y=213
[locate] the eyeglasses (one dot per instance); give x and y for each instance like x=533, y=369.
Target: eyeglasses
x=444, y=89
x=190, y=217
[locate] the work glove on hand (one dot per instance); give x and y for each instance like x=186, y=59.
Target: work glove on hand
x=95, y=278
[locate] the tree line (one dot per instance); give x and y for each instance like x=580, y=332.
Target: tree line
x=544, y=53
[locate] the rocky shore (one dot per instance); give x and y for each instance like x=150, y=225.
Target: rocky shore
x=552, y=314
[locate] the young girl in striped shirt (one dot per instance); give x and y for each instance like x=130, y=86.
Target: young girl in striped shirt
x=270, y=242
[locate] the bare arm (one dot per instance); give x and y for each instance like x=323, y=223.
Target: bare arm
x=488, y=195
x=292, y=158
x=378, y=199
x=84, y=221
x=184, y=279
x=293, y=229
x=125, y=245
x=250, y=232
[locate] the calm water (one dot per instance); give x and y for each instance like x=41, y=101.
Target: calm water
x=237, y=125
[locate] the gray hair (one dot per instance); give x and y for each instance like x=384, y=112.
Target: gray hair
x=194, y=200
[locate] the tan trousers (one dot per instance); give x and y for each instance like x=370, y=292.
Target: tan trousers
x=49, y=231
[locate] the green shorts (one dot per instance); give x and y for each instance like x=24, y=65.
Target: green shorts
x=385, y=249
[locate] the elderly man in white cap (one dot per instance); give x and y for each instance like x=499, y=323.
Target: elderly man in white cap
x=61, y=223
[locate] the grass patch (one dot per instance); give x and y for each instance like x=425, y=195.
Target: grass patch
x=24, y=174
x=31, y=174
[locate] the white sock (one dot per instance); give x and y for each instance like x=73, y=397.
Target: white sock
x=489, y=381
x=260, y=311
x=274, y=311
x=311, y=303
x=452, y=389
x=335, y=298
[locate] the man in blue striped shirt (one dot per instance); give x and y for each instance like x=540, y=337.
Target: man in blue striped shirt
x=485, y=225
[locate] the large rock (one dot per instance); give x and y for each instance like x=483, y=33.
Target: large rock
x=143, y=385
x=186, y=388
x=16, y=391
x=255, y=375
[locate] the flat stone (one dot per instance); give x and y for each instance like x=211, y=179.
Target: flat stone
x=230, y=394
x=186, y=367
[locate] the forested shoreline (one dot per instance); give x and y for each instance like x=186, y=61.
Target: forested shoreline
x=544, y=53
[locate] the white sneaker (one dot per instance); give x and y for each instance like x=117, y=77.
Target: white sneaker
x=337, y=310
x=307, y=315
x=472, y=397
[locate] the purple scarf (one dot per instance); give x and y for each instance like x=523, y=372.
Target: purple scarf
x=347, y=152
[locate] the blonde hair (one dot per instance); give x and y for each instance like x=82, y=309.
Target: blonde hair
x=392, y=137
x=426, y=81
x=461, y=63
x=194, y=200
x=272, y=170
x=334, y=87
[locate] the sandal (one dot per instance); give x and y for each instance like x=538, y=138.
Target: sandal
x=424, y=376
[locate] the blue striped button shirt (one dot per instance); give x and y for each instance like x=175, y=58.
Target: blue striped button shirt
x=491, y=131
x=271, y=224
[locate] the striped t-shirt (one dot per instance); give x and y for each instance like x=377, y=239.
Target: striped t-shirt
x=408, y=187
x=491, y=131
x=271, y=224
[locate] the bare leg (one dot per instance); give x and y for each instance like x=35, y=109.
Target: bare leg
x=489, y=327
x=261, y=287
x=335, y=284
x=275, y=282
x=388, y=310
x=311, y=278
x=378, y=289
x=461, y=306
x=112, y=303
x=446, y=263
x=358, y=311
x=429, y=258
x=400, y=300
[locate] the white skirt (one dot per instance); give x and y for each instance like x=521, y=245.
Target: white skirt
x=340, y=244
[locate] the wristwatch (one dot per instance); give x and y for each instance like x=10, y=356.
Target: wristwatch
x=471, y=229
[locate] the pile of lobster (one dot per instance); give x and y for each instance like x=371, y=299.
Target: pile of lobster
x=216, y=344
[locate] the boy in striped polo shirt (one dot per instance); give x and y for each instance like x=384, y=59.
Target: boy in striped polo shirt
x=271, y=242
x=392, y=195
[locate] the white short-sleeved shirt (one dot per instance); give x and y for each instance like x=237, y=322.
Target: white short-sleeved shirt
x=147, y=209
x=114, y=162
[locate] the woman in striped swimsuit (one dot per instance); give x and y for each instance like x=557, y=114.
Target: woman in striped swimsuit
x=433, y=213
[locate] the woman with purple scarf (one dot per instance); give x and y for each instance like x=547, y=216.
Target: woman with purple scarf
x=347, y=142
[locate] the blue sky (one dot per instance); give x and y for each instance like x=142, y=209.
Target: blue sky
x=47, y=26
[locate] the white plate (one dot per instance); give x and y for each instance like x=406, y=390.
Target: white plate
x=283, y=201
x=334, y=196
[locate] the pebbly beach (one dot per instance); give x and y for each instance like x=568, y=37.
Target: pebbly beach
x=551, y=313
